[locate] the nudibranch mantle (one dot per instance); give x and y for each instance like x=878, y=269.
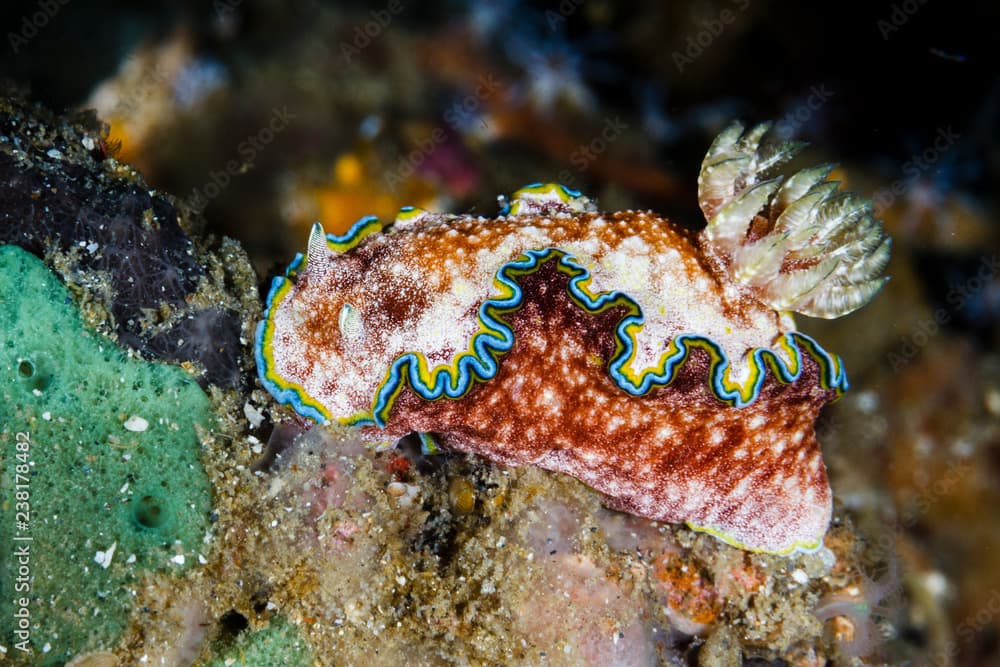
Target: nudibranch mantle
x=659, y=366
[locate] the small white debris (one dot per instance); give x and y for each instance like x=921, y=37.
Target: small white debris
x=130, y=559
x=253, y=415
x=54, y=153
x=47, y=416
x=800, y=576
x=36, y=392
x=867, y=401
x=124, y=488
x=126, y=457
x=202, y=560
x=405, y=494
x=963, y=448
x=501, y=542
x=936, y=584
x=136, y=424
x=828, y=558
x=47, y=647
x=992, y=401
x=179, y=559
x=275, y=487
x=92, y=247
x=488, y=587
x=103, y=558
x=401, y=580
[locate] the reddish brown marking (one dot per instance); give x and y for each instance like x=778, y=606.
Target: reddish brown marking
x=499, y=420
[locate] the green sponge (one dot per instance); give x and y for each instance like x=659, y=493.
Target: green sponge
x=277, y=644
x=100, y=475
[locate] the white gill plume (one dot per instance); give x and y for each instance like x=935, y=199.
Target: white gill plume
x=799, y=242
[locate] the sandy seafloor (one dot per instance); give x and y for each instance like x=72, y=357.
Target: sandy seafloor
x=243, y=121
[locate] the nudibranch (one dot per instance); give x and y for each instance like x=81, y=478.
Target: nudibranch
x=659, y=366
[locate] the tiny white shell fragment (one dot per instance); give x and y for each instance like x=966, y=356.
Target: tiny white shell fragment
x=136, y=424
x=253, y=415
x=103, y=558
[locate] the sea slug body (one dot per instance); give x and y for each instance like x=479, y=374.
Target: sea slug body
x=659, y=366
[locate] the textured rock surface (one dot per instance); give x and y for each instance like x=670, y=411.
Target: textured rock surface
x=65, y=199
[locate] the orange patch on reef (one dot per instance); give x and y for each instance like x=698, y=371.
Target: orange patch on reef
x=688, y=591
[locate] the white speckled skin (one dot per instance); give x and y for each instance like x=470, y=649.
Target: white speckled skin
x=418, y=289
